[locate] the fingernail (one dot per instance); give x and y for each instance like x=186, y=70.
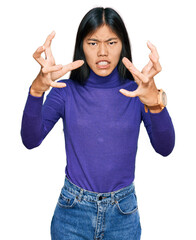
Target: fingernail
x=122, y=90
x=82, y=61
x=126, y=60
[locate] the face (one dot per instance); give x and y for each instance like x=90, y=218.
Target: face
x=102, y=50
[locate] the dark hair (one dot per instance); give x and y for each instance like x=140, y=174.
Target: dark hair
x=93, y=19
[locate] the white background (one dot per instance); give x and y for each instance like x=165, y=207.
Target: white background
x=31, y=179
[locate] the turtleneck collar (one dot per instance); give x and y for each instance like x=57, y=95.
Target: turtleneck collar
x=112, y=80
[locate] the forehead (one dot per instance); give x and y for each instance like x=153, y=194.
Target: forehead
x=102, y=33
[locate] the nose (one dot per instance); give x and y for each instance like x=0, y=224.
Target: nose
x=102, y=50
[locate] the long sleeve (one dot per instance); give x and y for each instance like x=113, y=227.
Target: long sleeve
x=38, y=118
x=160, y=130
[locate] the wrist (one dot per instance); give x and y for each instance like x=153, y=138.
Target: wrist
x=38, y=86
x=36, y=93
x=161, y=103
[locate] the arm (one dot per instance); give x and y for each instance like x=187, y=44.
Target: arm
x=157, y=121
x=38, y=118
x=160, y=130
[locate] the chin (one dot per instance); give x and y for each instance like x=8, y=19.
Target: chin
x=103, y=72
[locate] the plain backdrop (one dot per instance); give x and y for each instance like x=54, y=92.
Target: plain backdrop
x=30, y=180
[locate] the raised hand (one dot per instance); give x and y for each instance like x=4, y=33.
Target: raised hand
x=147, y=90
x=49, y=70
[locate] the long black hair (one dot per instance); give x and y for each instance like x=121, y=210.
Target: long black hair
x=93, y=19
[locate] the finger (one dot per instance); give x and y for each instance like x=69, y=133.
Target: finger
x=49, y=39
x=156, y=63
x=48, y=53
x=148, y=67
x=37, y=55
x=67, y=68
x=153, y=49
x=130, y=93
x=138, y=75
x=152, y=73
x=50, y=69
x=72, y=66
x=57, y=84
x=136, y=79
x=128, y=64
x=154, y=57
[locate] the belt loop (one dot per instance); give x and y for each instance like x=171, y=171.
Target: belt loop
x=112, y=197
x=80, y=194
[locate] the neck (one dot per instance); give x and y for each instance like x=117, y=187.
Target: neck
x=109, y=81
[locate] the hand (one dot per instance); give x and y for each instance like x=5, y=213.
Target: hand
x=147, y=90
x=49, y=70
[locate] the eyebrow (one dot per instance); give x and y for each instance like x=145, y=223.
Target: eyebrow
x=94, y=39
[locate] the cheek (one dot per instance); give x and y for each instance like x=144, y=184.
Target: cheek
x=117, y=55
x=87, y=53
x=89, y=59
x=117, y=51
x=120, y=50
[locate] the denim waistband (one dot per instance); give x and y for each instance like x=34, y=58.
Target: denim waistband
x=95, y=196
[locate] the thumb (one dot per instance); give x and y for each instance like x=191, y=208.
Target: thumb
x=129, y=93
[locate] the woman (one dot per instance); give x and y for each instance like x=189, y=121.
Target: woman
x=101, y=127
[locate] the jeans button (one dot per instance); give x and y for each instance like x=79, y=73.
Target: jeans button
x=100, y=198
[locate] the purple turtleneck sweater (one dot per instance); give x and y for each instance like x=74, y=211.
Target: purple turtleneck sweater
x=101, y=129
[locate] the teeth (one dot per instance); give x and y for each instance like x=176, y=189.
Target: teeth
x=103, y=63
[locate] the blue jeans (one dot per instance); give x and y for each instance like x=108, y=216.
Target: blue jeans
x=84, y=215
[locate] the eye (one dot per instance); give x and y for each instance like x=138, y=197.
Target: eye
x=112, y=43
x=92, y=43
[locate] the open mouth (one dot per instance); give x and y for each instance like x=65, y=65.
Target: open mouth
x=103, y=64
